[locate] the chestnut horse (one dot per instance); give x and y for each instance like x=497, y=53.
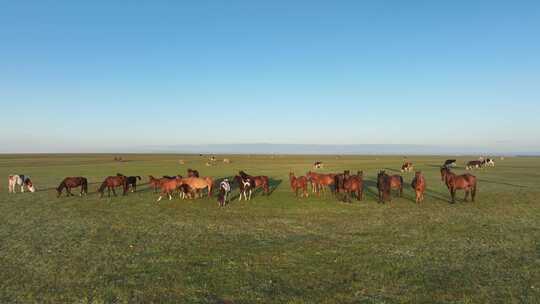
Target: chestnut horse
x=455, y=182
x=199, y=183
x=111, y=182
x=354, y=184
x=320, y=181
x=386, y=183
x=168, y=187
x=419, y=186
x=72, y=182
x=260, y=181
x=298, y=183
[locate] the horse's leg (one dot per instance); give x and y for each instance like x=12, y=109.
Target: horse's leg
x=467, y=195
x=453, y=194
x=249, y=194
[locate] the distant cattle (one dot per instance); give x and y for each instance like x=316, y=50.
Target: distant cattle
x=474, y=164
x=407, y=167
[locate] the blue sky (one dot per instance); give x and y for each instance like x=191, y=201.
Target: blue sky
x=105, y=75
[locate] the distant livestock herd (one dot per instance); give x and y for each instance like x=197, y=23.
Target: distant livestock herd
x=343, y=185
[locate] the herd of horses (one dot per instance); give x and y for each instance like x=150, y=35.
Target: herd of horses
x=344, y=185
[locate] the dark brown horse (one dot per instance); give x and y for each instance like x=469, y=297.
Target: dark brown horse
x=474, y=164
x=386, y=183
x=72, y=182
x=419, y=186
x=131, y=181
x=339, y=180
x=298, y=183
x=111, y=182
x=192, y=173
x=260, y=181
x=354, y=184
x=455, y=182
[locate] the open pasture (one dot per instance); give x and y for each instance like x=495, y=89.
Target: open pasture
x=276, y=249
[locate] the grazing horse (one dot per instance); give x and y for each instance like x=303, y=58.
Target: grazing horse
x=199, y=183
x=260, y=181
x=354, y=184
x=22, y=181
x=111, y=182
x=224, y=190
x=72, y=182
x=386, y=183
x=455, y=182
x=131, y=181
x=407, y=167
x=244, y=185
x=320, y=181
x=474, y=164
x=488, y=162
x=419, y=186
x=192, y=173
x=298, y=183
x=449, y=163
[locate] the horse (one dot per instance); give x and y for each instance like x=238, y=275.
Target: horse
x=244, y=186
x=22, y=181
x=168, y=187
x=474, y=164
x=260, y=181
x=419, y=186
x=192, y=173
x=455, y=182
x=72, y=182
x=186, y=191
x=488, y=162
x=111, y=182
x=298, y=183
x=319, y=181
x=354, y=184
x=449, y=163
x=224, y=190
x=407, y=167
x=131, y=181
x=339, y=180
x=199, y=183
x=386, y=183
x=317, y=165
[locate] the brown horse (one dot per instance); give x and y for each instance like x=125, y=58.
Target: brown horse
x=320, y=181
x=298, y=183
x=168, y=187
x=72, y=182
x=198, y=183
x=386, y=183
x=455, y=182
x=419, y=186
x=354, y=184
x=260, y=181
x=111, y=182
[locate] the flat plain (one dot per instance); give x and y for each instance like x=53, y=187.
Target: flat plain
x=275, y=249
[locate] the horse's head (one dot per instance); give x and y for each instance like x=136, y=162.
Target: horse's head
x=30, y=186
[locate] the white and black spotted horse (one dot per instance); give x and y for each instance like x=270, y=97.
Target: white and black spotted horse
x=224, y=190
x=20, y=180
x=246, y=187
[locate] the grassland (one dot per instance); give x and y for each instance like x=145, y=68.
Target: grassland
x=273, y=249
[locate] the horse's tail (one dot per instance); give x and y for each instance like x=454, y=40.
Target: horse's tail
x=473, y=191
x=401, y=180
x=84, y=186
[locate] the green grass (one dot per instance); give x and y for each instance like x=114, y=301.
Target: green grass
x=273, y=249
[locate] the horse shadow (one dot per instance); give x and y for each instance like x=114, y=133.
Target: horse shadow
x=501, y=183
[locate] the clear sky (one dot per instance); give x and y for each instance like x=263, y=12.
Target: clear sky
x=104, y=74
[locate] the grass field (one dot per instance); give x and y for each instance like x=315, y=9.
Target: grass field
x=273, y=249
